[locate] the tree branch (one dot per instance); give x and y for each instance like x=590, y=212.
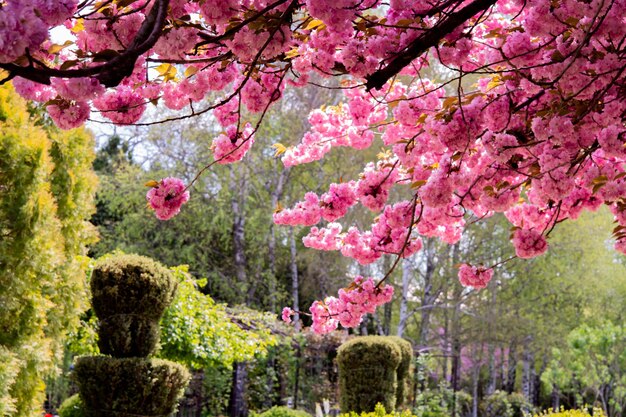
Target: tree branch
x=429, y=39
x=115, y=70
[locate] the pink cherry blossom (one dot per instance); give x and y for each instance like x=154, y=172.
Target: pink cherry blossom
x=286, y=314
x=167, y=197
x=529, y=243
x=472, y=276
x=68, y=115
x=361, y=297
x=232, y=145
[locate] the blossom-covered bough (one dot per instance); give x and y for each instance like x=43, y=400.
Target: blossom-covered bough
x=530, y=122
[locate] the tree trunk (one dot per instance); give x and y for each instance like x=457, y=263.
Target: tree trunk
x=239, y=223
x=296, y=384
x=294, y=280
x=475, y=377
x=493, y=373
x=237, y=402
x=276, y=193
x=528, y=372
x=428, y=296
x=512, y=368
x=387, y=308
x=407, y=270
x=556, y=399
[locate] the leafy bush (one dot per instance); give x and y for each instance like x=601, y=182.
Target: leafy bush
x=201, y=333
x=129, y=295
x=440, y=402
x=597, y=412
x=379, y=411
x=283, y=412
x=129, y=386
x=520, y=405
x=72, y=407
x=501, y=404
x=368, y=373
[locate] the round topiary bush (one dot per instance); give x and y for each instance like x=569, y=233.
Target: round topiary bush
x=129, y=387
x=72, y=407
x=368, y=373
x=283, y=412
x=129, y=295
x=404, y=369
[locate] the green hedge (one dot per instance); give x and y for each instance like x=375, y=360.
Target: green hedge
x=129, y=387
x=368, y=373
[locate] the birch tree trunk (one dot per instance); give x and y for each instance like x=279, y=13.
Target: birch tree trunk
x=294, y=280
x=407, y=271
x=528, y=371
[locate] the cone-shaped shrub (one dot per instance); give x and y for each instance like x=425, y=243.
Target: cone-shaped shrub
x=404, y=369
x=128, y=387
x=368, y=373
x=129, y=295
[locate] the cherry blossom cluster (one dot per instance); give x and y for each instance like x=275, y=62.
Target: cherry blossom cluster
x=166, y=197
x=348, y=308
x=473, y=276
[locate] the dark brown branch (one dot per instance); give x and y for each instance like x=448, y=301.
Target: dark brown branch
x=429, y=39
x=111, y=73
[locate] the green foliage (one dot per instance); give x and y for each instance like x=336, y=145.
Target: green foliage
x=597, y=412
x=46, y=190
x=217, y=385
x=379, y=411
x=501, y=404
x=72, y=407
x=201, y=333
x=283, y=412
x=441, y=401
x=594, y=361
x=129, y=295
x=368, y=373
x=129, y=387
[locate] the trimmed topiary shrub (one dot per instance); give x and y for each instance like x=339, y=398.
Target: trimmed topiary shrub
x=283, y=412
x=129, y=296
x=368, y=373
x=404, y=369
x=130, y=293
x=72, y=407
x=127, y=387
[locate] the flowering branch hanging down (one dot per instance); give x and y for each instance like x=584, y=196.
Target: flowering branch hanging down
x=527, y=120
